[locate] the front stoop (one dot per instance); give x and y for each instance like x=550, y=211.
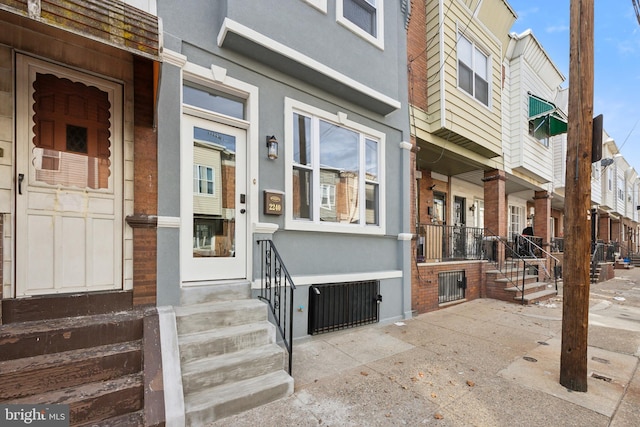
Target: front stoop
x=501, y=288
x=229, y=358
x=92, y=363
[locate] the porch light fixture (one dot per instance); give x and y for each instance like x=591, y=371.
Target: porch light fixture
x=272, y=147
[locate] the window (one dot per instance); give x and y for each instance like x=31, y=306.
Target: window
x=212, y=100
x=335, y=178
x=620, y=189
x=473, y=70
x=516, y=214
x=364, y=17
x=203, y=180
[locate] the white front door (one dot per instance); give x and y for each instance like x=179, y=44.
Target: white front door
x=68, y=181
x=213, y=201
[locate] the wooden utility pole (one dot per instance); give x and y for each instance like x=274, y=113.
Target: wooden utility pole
x=575, y=308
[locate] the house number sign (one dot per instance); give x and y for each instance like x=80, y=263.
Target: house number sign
x=273, y=203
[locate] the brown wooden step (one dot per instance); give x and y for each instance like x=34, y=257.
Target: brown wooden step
x=45, y=373
x=27, y=339
x=95, y=402
x=132, y=419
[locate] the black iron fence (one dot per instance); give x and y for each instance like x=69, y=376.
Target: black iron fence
x=277, y=291
x=449, y=242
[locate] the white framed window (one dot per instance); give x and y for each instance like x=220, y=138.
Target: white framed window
x=473, y=70
x=363, y=17
x=516, y=219
x=203, y=180
x=335, y=179
x=620, y=189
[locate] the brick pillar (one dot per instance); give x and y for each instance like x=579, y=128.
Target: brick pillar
x=541, y=228
x=604, y=227
x=495, y=202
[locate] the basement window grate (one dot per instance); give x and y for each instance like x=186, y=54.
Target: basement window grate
x=335, y=306
x=451, y=286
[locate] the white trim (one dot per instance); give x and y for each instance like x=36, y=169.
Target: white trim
x=406, y=145
x=216, y=77
x=265, y=228
x=443, y=64
x=173, y=58
x=321, y=5
x=291, y=105
x=232, y=26
x=405, y=236
x=338, y=278
x=168, y=222
x=378, y=39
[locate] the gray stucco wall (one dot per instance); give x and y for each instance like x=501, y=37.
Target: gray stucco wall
x=192, y=31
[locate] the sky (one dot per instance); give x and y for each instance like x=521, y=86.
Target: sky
x=616, y=61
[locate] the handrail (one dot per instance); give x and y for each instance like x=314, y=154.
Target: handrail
x=275, y=282
x=548, y=255
x=510, y=272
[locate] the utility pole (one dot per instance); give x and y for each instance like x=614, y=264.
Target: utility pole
x=575, y=307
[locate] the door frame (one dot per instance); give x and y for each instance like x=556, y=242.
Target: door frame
x=25, y=68
x=210, y=268
x=218, y=78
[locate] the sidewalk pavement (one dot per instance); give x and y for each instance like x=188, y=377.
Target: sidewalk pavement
x=480, y=363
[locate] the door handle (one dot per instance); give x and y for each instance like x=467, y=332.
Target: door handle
x=242, y=211
x=20, y=179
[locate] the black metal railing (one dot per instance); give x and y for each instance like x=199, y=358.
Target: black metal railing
x=557, y=244
x=520, y=258
x=449, y=242
x=277, y=290
x=602, y=252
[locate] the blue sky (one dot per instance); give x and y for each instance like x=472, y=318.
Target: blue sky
x=617, y=61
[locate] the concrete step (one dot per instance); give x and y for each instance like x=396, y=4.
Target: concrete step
x=205, y=316
x=217, y=291
x=214, y=371
x=529, y=278
x=537, y=296
x=94, y=402
x=528, y=287
x=45, y=373
x=229, y=399
x=226, y=340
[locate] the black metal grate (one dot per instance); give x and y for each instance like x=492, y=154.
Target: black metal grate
x=451, y=286
x=335, y=306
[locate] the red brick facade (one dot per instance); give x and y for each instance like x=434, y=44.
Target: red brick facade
x=145, y=184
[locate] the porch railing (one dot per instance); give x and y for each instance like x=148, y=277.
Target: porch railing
x=277, y=290
x=602, y=252
x=521, y=257
x=449, y=242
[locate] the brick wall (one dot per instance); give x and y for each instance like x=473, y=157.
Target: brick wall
x=416, y=54
x=145, y=184
x=425, y=282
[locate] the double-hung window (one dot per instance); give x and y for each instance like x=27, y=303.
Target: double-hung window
x=364, y=17
x=335, y=179
x=473, y=70
x=203, y=180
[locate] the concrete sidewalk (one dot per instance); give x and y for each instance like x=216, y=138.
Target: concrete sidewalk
x=481, y=363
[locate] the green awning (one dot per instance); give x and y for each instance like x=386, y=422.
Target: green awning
x=545, y=119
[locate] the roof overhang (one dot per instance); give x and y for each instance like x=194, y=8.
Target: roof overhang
x=111, y=22
x=545, y=119
x=253, y=44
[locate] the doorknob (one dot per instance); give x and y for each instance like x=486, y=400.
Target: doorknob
x=242, y=211
x=20, y=179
